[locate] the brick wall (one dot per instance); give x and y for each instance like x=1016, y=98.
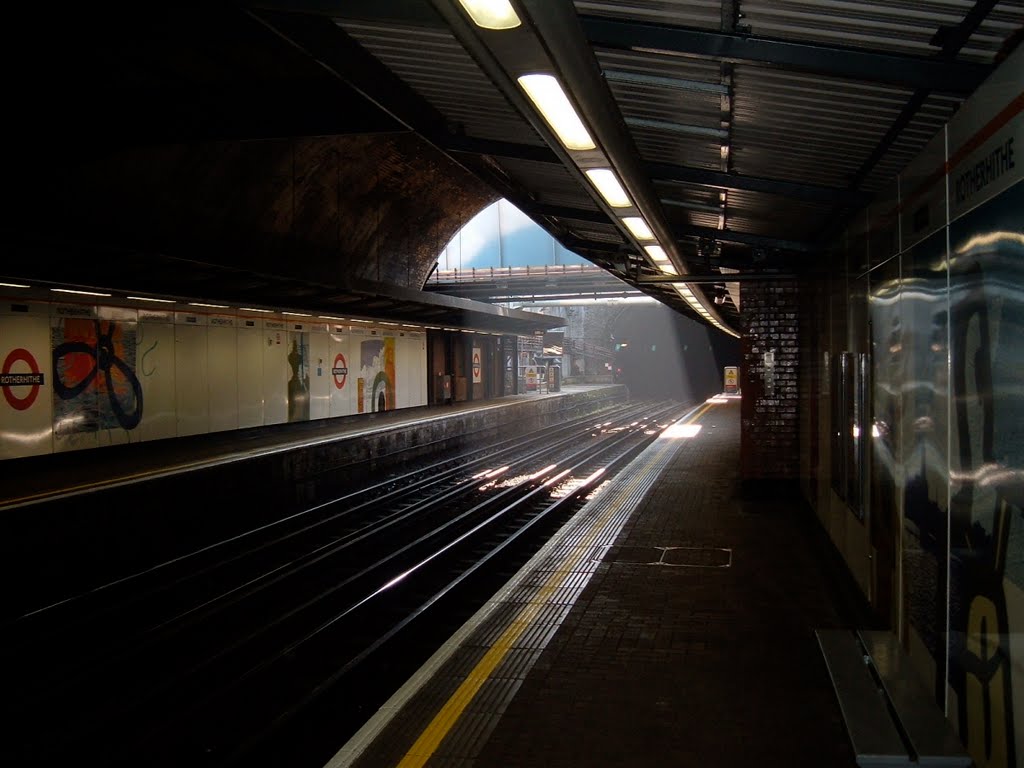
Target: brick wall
x=770, y=353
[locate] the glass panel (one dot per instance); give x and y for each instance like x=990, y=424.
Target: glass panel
x=987, y=470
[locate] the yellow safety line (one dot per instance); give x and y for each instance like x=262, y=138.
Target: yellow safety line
x=428, y=742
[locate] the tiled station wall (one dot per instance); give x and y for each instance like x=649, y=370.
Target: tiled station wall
x=84, y=376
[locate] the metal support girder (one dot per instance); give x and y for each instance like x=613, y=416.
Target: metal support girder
x=680, y=230
x=952, y=39
x=719, y=278
x=494, y=148
x=743, y=238
x=704, y=177
x=574, y=243
x=388, y=11
x=563, y=212
x=325, y=42
x=853, y=63
x=659, y=171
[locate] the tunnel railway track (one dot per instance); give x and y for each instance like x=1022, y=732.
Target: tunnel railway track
x=219, y=655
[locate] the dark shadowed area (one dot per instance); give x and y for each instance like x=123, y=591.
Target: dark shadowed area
x=663, y=354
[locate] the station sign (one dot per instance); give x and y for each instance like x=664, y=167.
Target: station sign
x=732, y=380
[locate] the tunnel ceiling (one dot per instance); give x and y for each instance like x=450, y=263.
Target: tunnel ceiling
x=321, y=143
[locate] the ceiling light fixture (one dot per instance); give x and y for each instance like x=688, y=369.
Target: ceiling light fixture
x=14, y=285
x=656, y=252
x=638, y=227
x=547, y=95
x=83, y=293
x=150, y=298
x=492, y=14
x=254, y=309
x=203, y=304
x=608, y=185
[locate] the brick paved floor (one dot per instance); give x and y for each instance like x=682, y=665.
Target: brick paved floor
x=679, y=666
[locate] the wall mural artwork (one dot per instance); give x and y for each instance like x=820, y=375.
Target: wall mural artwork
x=376, y=383
x=95, y=386
x=77, y=376
x=298, y=378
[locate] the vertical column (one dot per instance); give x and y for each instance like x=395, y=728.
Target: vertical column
x=770, y=349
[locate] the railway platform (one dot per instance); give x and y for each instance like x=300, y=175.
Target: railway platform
x=670, y=622
x=41, y=478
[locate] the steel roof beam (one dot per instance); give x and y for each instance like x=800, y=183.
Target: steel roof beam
x=952, y=39
x=564, y=212
x=680, y=230
x=718, y=277
x=853, y=63
x=681, y=174
x=703, y=177
x=506, y=150
x=743, y=238
x=385, y=11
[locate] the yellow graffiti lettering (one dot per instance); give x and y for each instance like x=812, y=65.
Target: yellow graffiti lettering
x=986, y=718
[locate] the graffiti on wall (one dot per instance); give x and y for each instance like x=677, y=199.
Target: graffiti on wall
x=94, y=382
x=376, y=383
x=298, y=377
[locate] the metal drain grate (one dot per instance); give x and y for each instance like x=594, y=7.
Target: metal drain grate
x=675, y=557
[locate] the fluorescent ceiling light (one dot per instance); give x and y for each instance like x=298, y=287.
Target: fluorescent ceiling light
x=254, y=309
x=83, y=293
x=14, y=285
x=668, y=269
x=656, y=252
x=547, y=95
x=491, y=14
x=149, y=298
x=297, y=314
x=202, y=304
x=638, y=227
x=608, y=185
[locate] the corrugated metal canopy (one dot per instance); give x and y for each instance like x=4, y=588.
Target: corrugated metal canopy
x=753, y=125
x=745, y=132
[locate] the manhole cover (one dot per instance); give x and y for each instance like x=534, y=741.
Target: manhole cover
x=697, y=557
x=635, y=555
x=677, y=557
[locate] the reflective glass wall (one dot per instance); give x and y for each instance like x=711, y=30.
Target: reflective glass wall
x=926, y=419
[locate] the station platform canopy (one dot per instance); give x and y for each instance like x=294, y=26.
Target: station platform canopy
x=175, y=279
